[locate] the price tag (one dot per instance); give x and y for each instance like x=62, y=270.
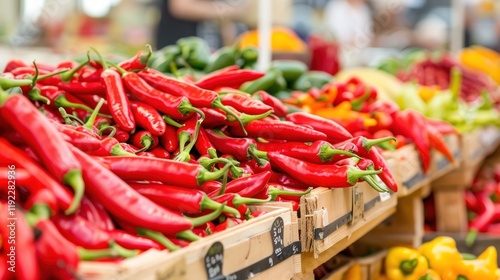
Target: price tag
x=277, y=231
x=214, y=260
x=358, y=206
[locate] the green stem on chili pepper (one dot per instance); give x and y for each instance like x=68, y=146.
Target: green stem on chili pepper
x=373, y=183
x=69, y=119
x=369, y=143
x=91, y=120
x=238, y=200
x=171, y=121
x=208, y=163
x=35, y=95
x=184, y=154
x=146, y=142
x=224, y=184
x=66, y=76
x=74, y=179
x=217, y=103
x=245, y=118
x=187, y=235
x=104, y=128
x=62, y=101
x=275, y=192
x=158, y=237
x=198, y=221
x=114, y=250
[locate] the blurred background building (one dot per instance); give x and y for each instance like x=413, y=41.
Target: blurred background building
x=361, y=27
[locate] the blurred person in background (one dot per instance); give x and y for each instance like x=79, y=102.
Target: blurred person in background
x=350, y=21
x=208, y=19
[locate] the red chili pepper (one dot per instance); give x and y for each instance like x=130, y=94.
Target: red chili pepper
x=124, y=202
x=483, y=220
x=437, y=142
x=295, y=204
x=259, y=213
x=96, y=214
x=83, y=88
x=17, y=233
x=233, y=78
x=170, y=172
x=160, y=152
x=169, y=139
x=246, y=186
x=319, y=175
x=188, y=201
x=84, y=141
x=255, y=167
x=279, y=108
x=213, y=118
x=287, y=180
x=472, y=203
x=239, y=202
x=110, y=146
x=279, y=130
x=240, y=148
x=144, y=140
x=13, y=64
x=246, y=104
x=42, y=198
x=170, y=243
x=198, y=97
x=148, y=118
x=45, y=140
x=19, y=158
x=138, y=61
x=93, y=100
x=333, y=130
x=57, y=256
x=59, y=98
x=443, y=127
x=133, y=242
x=412, y=125
x=121, y=135
x=91, y=75
x=81, y=232
x=176, y=107
x=118, y=102
x=318, y=152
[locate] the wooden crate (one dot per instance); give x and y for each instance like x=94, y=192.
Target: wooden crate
x=152, y=264
x=475, y=146
x=440, y=165
x=329, y=215
x=343, y=264
x=490, y=138
x=405, y=227
x=266, y=247
x=371, y=266
x=332, y=219
x=406, y=166
x=451, y=211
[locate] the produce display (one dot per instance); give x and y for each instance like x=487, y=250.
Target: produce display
x=152, y=161
x=106, y=159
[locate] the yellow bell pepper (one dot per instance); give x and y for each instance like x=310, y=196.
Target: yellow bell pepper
x=441, y=253
x=430, y=275
x=353, y=273
x=483, y=268
x=404, y=263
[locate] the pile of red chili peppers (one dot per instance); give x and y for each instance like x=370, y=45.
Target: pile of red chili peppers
x=109, y=160
x=354, y=105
